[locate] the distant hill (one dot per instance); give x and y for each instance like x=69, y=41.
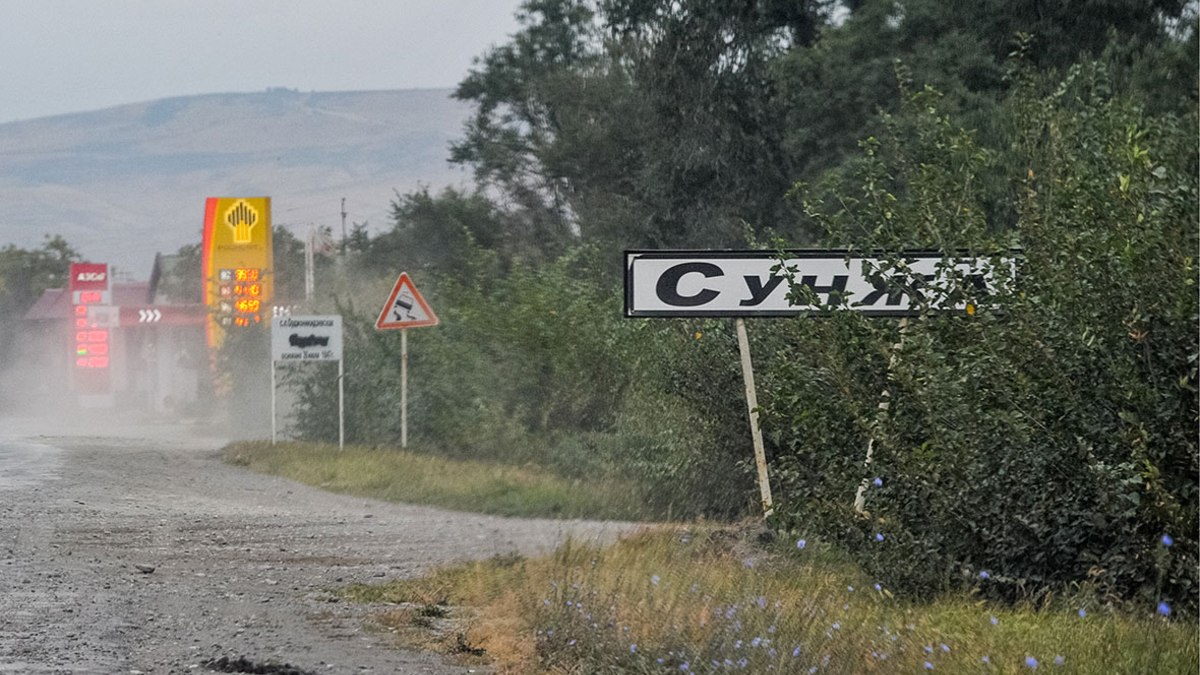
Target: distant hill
x=123, y=183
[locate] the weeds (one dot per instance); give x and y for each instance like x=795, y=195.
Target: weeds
x=396, y=476
x=703, y=601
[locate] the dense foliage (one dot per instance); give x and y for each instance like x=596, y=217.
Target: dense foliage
x=1046, y=441
x=24, y=275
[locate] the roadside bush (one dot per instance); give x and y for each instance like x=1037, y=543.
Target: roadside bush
x=1049, y=439
x=537, y=366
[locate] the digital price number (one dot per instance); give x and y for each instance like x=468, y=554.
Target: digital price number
x=240, y=293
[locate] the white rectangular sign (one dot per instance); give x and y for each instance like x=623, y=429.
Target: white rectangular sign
x=741, y=283
x=306, y=338
x=104, y=316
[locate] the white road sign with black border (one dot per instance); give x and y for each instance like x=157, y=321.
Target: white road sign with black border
x=306, y=338
x=742, y=283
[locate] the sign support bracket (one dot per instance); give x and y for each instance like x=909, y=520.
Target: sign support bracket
x=760, y=456
x=885, y=402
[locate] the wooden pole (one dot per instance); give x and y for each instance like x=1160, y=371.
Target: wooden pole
x=760, y=455
x=403, y=387
x=885, y=400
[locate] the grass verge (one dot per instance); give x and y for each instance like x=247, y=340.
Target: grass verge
x=396, y=476
x=702, y=601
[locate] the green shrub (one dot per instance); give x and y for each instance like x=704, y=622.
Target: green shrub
x=1050, y=438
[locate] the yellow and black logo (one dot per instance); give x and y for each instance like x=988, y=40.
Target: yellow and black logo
x=241, y=219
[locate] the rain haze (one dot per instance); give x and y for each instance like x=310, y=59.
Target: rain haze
x=123, y=116
x=599, y=336
x=65, y=57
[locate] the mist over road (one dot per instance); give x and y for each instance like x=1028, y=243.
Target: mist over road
x=241, y=562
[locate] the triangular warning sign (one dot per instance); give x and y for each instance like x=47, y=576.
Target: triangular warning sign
x=405, y=308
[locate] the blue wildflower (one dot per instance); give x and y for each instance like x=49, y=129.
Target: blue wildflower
x=685, y=666
x=837, y=625
x=878, y=587
x=850, y=588
x=1082, y=613
x=633, y=648
x=994, y=621
x=1164, y=609
x=1058, y=660
x=986, y=659
x=945, y=648
x=654, y=579
x=1167, y=540
x=801, y=544
x=755, y=642
x=1031, y=662
x=984, y=575
x=878, y=537
x=878, y=481
x=928, y=666
x=796, y=651
x=571, y=643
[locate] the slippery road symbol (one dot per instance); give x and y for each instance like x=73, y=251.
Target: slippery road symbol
x=403, y=308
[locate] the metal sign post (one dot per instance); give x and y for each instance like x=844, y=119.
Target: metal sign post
x=305, y=339
x=404, y=309
x=403, y=387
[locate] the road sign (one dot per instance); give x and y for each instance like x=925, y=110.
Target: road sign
x=302, y=339
x=741, y=283
x=405, y=308
x=306, y=338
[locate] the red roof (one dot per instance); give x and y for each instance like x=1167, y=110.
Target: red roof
x=55, y=303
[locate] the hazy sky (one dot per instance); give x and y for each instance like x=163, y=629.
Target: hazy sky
x=62, y=56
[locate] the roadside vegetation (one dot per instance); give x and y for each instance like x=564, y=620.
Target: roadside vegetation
x=391, y=475
x=1048, y=439
x=707, y=600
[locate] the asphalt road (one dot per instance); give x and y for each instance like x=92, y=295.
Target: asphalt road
x=241, y=562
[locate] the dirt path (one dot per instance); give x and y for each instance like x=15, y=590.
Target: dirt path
x=240, y=561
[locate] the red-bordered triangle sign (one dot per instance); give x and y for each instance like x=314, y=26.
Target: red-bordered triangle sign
x=405, y=308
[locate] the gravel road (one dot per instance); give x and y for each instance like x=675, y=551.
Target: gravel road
x=240, y=561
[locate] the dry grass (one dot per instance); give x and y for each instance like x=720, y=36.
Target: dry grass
x=670, y=602
x=397, y=476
